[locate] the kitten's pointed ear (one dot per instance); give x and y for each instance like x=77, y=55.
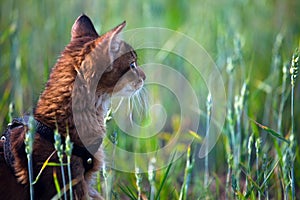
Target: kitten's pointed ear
x=83, y=26
x=117, y=29
x=114, y=42
x=108, y=45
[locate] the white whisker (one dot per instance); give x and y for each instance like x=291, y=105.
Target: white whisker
x=136, y=102
x=144, y=100
x=118, y=106
x=137, y=106
x=130, y=107
x=141, y=103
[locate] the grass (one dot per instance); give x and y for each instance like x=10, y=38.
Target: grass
x=28, y=149
x=252, y=42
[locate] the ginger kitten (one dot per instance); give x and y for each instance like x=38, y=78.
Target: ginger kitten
x=89, y=71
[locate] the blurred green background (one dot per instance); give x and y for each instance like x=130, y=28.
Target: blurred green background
x=253, y=34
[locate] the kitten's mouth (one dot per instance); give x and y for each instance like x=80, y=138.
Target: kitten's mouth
x=133, y=91
x=136, y=101
x=139, y=85
x=130, y=89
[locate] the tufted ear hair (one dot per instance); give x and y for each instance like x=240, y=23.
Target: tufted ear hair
x=113, y=42
x=83, y=26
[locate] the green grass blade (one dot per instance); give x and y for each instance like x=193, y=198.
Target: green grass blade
x=249, y=178
x=269, y=174
x=128, y=192
x=56, y=183
x=271, y=131
x=165, y=177
x=54, y=164
x=46, y=163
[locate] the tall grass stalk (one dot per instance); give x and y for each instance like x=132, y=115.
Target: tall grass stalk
x=277, y=143
x=283, y=97
x=107, y=172
x=230, y=152
x=165, y=176
x=238, y=108
x=286, y=174
x=138, y=182
x=208, y=118
x=229, y=171
x=10, y=112
x=151, y=177
x=265, y=170
x=230, y=71
x=187, y=175
x=60, y=153
x=68, y=151
x=294, y=72
x=29, y=138
x=114, y=139
x=106, y=175
x=257, y=147
x=237, y=135
x=250, y=143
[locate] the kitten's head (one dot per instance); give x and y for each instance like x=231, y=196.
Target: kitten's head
x=108, y=59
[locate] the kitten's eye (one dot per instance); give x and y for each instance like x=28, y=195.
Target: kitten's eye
x=133, y=65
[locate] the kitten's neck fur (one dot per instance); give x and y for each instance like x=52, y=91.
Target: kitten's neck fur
x=54, y=107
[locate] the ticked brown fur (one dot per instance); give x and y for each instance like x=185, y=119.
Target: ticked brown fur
x=89, y=71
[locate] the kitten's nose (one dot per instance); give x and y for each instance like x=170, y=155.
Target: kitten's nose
x=142, y=74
